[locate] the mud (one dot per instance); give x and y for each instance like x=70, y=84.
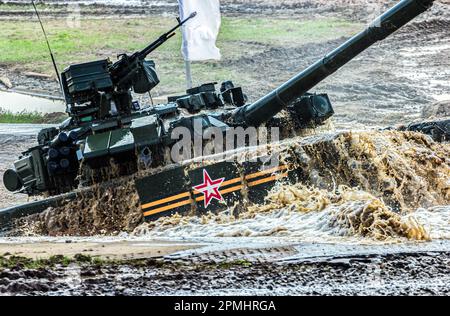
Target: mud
x=288, y=8
x=391, y=274
x=436, y=110
x=364, y=187
x=44, y=248
x=103, y=210
x=357, y=9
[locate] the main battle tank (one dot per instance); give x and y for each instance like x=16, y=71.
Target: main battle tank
x=107, y=129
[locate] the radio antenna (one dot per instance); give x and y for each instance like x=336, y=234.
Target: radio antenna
x=48, y=45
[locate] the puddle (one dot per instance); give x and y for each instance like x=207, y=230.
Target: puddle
x=22, y=129
x=16, y=103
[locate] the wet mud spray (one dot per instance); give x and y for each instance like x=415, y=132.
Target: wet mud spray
x=378, y=185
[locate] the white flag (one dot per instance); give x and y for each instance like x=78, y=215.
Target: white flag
x=200, y=33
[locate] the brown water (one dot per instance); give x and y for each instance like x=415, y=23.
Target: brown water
x=359, y=187
x=363, y=187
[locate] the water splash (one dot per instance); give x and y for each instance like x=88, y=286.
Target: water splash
x=357, y=185
x=383, y=186
x=299, y=212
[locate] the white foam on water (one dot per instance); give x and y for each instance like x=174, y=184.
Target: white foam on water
x=436, y=221
x=286, y=224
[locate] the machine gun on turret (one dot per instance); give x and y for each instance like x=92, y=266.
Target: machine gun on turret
x=98, y=89
x=132, y=71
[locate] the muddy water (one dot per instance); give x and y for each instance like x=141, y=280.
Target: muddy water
x=17, y=103
x=359, y=187
x=362, y=187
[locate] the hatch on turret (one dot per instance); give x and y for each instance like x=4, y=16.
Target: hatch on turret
x=144, y=131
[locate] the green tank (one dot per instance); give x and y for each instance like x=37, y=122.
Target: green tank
x=108, y=134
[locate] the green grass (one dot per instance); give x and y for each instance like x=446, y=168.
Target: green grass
x=31, y=117
x=27, y=263
x=22, y=43
x=284, y=31
x=24, y=117
x=8, y=261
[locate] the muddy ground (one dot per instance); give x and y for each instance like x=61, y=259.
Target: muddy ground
x=401, y=273
x=127, y=8
x=391, y=83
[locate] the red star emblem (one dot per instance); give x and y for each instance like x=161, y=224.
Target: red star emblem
x=210, y=188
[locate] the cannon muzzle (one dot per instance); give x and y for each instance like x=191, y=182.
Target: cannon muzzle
x=271, y=104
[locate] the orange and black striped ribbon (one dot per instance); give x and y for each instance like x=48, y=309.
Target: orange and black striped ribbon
x=227, y=187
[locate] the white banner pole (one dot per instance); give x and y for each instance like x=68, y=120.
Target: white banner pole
x=187, y=64
x=200, y=34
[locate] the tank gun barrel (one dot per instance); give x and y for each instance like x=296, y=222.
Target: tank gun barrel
x=271, y=104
